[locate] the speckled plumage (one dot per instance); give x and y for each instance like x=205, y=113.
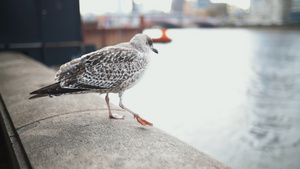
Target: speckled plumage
x=109, y=70
x=112, y=69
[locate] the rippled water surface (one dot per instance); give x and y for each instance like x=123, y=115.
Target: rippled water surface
x=231, y=93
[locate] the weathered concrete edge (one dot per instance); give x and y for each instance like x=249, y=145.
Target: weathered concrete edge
x=20, y=153
x=16, y=150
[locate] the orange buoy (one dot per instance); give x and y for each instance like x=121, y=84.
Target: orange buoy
x=164, y=38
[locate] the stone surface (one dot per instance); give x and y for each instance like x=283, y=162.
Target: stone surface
x=75, y=132
x=21, y=76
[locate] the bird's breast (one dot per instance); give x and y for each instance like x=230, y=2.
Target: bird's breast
x=134, y=73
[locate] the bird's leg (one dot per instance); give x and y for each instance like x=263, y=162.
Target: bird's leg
x=138, y=118
x=112, y=116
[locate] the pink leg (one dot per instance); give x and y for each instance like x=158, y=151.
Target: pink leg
x=112, y=116
x=139, y=119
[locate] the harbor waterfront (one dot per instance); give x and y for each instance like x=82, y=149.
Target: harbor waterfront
x=232, y=93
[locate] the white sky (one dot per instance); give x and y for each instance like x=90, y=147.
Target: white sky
x=104, y=6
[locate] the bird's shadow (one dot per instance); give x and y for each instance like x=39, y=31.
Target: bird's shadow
x=144, y=128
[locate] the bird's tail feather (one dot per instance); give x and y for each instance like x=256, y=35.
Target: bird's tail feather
x=53, y=90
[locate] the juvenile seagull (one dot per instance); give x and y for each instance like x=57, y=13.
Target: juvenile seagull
x=112, y=69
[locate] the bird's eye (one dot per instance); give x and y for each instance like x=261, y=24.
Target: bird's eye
x=150, y=43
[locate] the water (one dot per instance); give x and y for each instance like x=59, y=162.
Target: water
x=231, y=93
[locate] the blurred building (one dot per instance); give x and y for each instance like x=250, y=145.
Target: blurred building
x=237, y=16
x=177, y=6
x=203, y=4
x=204, y=8
x=274, y=12
x=295, y=11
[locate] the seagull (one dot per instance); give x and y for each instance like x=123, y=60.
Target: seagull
x=112, y=69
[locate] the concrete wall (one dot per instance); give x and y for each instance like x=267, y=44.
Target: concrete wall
x=75, y=131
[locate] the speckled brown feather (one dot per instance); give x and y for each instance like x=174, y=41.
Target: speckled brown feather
x=106, y=70
x=111, y=69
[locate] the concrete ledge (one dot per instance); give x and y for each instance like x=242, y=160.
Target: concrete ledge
x=75, y=131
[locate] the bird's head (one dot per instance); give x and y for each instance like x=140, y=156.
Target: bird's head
x=143, y=43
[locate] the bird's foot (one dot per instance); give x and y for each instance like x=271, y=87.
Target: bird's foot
x=116, y=116
x=142, y=121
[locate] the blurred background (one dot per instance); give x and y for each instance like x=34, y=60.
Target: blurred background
x=226, y=80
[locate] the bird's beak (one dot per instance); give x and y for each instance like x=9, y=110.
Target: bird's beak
x=154, y=50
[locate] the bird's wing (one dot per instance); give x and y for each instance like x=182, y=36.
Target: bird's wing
x=102, y=69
